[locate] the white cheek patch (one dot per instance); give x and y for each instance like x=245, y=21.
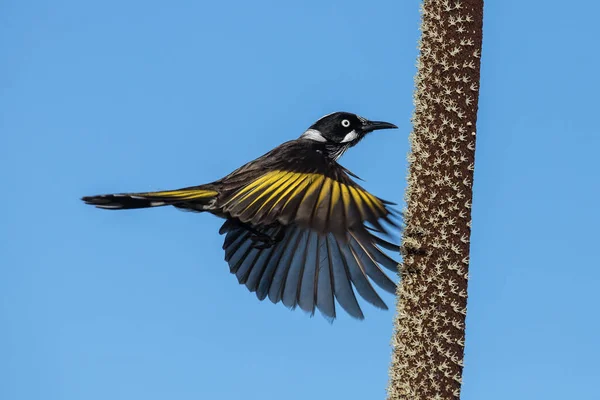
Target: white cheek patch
x=350, y=137
x=313, y=134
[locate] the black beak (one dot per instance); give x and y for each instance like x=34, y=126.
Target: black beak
x=369, y=126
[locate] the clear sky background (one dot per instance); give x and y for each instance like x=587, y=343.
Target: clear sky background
x=117, y=96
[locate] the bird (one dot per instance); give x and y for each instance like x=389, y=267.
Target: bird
x=298, y=227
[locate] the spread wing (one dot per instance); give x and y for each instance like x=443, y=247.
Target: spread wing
x=298, y=185
x=311, y=270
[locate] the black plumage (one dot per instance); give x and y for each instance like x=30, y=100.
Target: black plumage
x=298, y=229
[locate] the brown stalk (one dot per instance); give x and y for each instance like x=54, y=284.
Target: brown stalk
x=429, y=337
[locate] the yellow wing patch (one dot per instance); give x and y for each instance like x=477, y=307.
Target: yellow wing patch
x=182, y=194
x=285, y=191
x=265, y=185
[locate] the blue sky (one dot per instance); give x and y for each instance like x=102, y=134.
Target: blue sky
x=141, y=95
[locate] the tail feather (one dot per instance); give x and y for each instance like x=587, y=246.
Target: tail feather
x=125, y=201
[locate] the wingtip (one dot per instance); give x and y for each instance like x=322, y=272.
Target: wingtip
x=329, y=318
x=387, y=202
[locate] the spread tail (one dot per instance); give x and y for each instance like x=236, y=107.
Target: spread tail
x=196, y=196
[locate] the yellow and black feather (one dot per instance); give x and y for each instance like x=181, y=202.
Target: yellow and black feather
x=319, y=195
x=298, y=229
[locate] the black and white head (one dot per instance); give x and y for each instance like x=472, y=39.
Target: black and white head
x=341, y=130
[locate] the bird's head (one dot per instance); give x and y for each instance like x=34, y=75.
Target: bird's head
x=341, y=130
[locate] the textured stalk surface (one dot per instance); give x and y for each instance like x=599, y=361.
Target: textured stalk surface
x=429, y=337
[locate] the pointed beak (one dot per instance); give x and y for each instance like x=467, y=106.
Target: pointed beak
x=370, y=126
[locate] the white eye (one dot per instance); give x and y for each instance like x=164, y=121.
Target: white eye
x=345, y=123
